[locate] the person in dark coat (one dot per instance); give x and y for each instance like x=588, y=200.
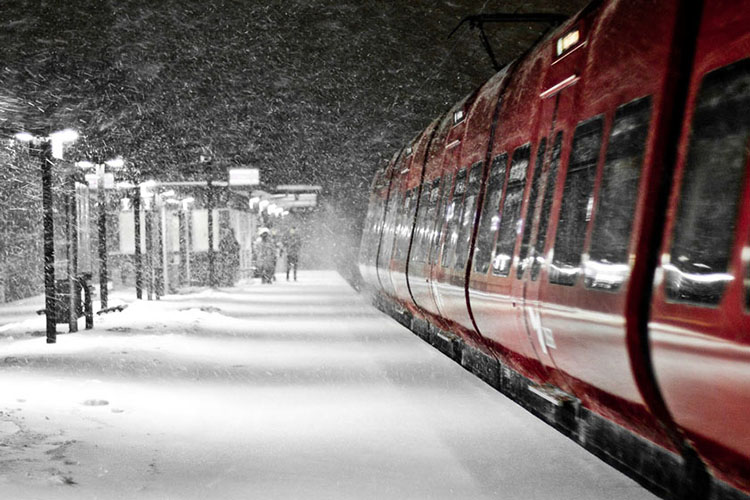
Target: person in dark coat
x=229, y=265
x=266, y=256
x=292, y=244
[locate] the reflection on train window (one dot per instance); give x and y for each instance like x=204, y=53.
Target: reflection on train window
x=386, y=244
x=509, y=217
x=451, y=217
x=746, y=259
x=524, y=257
x=442, y=216
x=420, y=227
x=489, y=218
x=607, y=266
x=405, y=225
x=430, y=222
x=549, y=193
x=577, y=203
x=466, y=218
x=697, y=271
x=396, y=225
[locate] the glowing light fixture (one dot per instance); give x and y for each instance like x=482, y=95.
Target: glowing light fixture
x=568, y=41
x=116, y=162
x=24, y=137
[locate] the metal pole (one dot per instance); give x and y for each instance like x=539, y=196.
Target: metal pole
x=188, y=242
x=211, y=256
x=102, y=243
x=137, y=256
x=72, y=249
x=182, y=238
x=149, y=254
x=49, y=241
x=164, y=249
x=158, y=258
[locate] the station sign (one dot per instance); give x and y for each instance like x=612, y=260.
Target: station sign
x=244, y=176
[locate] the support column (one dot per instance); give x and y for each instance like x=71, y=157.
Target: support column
x=45, y=156
x=137, y=255
x=211, y=254
x=71, y=246
x=149, y=254
x=102, y=241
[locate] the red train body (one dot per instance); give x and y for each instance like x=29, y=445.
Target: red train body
x=582, y=224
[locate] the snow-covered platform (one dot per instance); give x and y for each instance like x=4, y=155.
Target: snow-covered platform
x=291, y=390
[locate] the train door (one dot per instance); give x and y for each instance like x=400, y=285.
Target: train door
x=557, y=106
x=700, y=314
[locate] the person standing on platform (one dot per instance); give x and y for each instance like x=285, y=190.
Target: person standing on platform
x=292, y=244
x=229, y=265
x=266, y=256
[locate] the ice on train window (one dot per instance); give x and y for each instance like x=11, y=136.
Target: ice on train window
x=489, y=218
x=698, y=268
x=608, y=263
x=420, y=229
x=443, y=215
x=549, y=192
x=510, y=215
x=466, y=217
x=525, y=254
x=575, y=211
x=452, y=214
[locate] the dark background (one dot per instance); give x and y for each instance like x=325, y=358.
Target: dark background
x=317, y=92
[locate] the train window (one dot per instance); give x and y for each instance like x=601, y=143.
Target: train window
x=697, y=271
x=577, y=202
x=466, y=219
x=420, y=228
x=607, y=266
x=431, y=204
x=386, y=244
x=489, y=219
x=452, y=214
x=509, y=217
x=442, y=217
x=405, y=225
x=549, y=193
x=523, y=258
x=396, y=224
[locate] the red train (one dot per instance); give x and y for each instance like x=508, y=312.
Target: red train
x=577, y=233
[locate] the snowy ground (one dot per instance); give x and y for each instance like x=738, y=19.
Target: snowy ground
x=293, y=390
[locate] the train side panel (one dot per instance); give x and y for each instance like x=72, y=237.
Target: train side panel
x=700, y=324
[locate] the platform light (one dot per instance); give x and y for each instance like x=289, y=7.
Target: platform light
x=84, y=164
x=115, y=162
x=59, y=139
x=24, y=137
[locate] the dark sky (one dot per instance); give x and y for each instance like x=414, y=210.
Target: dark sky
x=308, y=91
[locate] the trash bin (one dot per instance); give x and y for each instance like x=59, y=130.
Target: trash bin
x=62, y=300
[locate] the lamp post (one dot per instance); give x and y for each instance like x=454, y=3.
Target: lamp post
x=47, y=149
x=164, y=198
x=185, y=239
x=100, y=170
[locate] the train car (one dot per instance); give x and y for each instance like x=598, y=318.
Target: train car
x=578, y=229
